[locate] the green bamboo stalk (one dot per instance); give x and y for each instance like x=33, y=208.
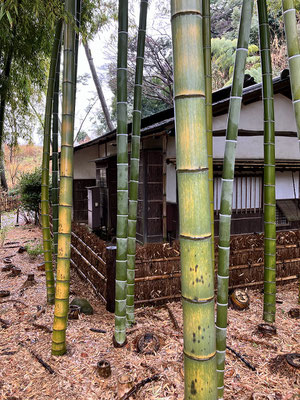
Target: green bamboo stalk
x=45, y=170
x=269, y=167
x=122, y=177
x=78, y=24
x=135, y=162
x=197, y=279
x=55, y=172
x=293, y=48
x=66, y=184
x=209, y=118
x=227, y=186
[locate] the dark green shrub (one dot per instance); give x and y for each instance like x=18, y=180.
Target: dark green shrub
x=30, y=190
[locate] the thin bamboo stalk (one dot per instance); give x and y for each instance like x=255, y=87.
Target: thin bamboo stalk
x=122, y=177
x=66, y=185
x=98, y=87
x=209, y=118
x=45, y=169
x=293, y=47
x=227, y=187
x=197, y=281
x=55, y=171
x=135, y=162
x=269, y=166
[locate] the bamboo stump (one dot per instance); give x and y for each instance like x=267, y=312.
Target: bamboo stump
x=104, y=369
x=125, y=383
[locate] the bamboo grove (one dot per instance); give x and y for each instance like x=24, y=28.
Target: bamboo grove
x=204, y=339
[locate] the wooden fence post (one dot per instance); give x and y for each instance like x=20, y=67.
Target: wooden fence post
x=111, y=277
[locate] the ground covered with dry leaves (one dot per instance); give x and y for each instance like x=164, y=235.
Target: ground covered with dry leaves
x=22, y=338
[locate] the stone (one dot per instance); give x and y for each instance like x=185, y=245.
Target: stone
x=85, y=306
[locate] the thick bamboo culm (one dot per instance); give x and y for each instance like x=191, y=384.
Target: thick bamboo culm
x=66, y=185
x=122, y=177
x=135, y=161
x=227, y=187
x=45, y=170
x=55, y=171
x=293, y=48
x=269, y=167
x=209, y=118
x=197, y=280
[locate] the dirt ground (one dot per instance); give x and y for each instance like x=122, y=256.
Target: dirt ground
x=75, y=375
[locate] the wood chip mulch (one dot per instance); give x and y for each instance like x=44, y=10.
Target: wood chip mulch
x=24, y=339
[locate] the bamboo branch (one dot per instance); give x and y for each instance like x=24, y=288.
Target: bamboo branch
x=139, y=385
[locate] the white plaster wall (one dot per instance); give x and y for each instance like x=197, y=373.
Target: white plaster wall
x=83, y=169
x=171, y=147
x=251, y=147
x=287, y=185
x=171, y=183
x=252, y=116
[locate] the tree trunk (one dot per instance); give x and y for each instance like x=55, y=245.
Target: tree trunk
x=98, y=87
x=135, y=162
x=5, y=77
x=227, y=187
x=66, y=187
x=122, y=180
x=197, y=278
x=269, y=167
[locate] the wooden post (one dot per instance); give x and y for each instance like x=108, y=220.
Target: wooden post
x=165, y=139
x=111, y=277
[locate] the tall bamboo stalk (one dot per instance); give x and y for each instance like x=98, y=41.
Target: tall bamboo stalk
x=293, y=48
x=122, y=177
x=78, y=24
x=135, y=161
x=269, y=167
x=98, y=87
x=55, y=172
x=65, y=193
x=209, y=118
x=227, y=186
x=45, y=169
x=197, y=280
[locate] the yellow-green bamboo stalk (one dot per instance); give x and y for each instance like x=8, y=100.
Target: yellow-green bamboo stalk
x=269, y=167
x=209, y=117
x=227, y=187
x=66, y=183
x=197, y=280
x=293, y=47
x=135, y=162
x=45, y=170
x=122, y=178
x=55, y=171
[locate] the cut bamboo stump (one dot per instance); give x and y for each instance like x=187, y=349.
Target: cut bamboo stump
x=15, y=271
x=267, y=329
x=125, y=383
x=104, y=369
x=74, y=312
x=294, y=313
